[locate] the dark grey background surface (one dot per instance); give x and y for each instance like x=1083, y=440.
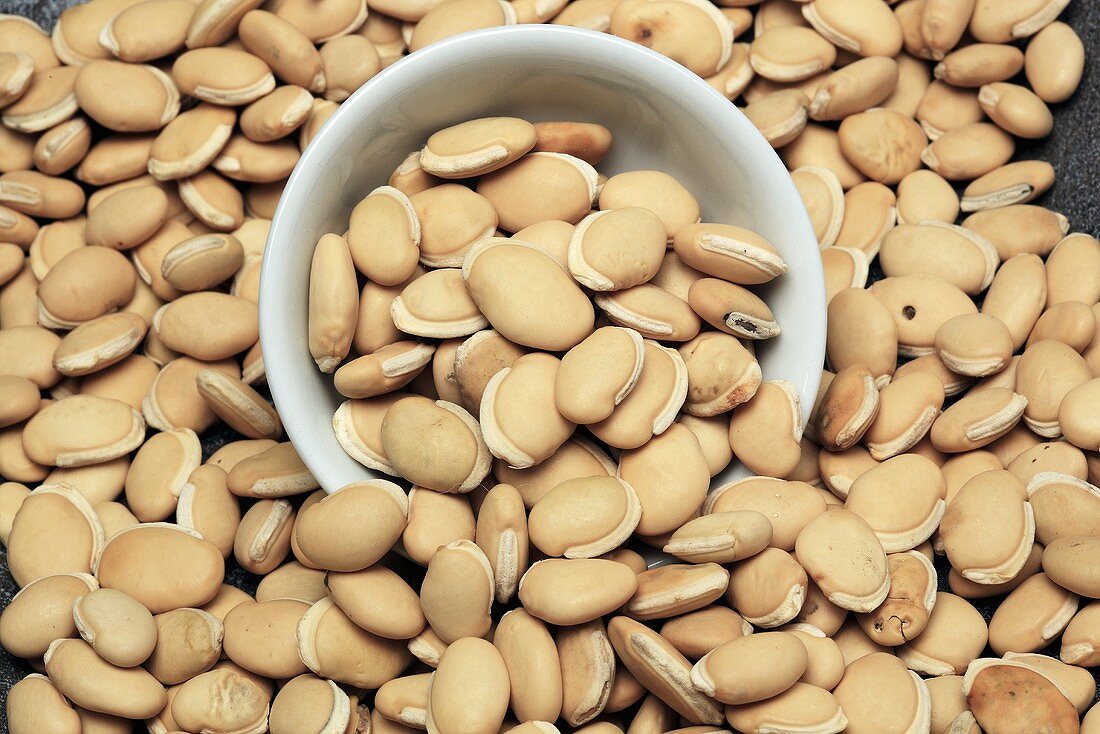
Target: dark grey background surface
x=1073, y=149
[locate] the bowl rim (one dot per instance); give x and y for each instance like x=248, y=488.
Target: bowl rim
x=333, y=132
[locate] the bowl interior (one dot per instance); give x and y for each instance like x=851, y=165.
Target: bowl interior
x=662, y=116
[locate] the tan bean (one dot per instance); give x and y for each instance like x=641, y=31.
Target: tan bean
x=668, y=591
x=768, y=589
x=790, y=53
x=333, y=647
x=882, y=678
x=310, y=704
x=152, y=99
x=883, y=144
x=1031, y=615
x=284, y=48
x=41, y=612
x=159, y=472
x=469, y=690
x=197, y=705
x=502, y=275
x=47, y=101
x=584, y=140
x=575, y=591
x=213, y=200
x=201, y=73
x=190, y=142
x=63, y=146
x=1054, y=62
x=576, y=458
x=780, y=116
x=869, y=213
x=1079, y=644
x=117, y=627
x=969, y=151
x=35, y=704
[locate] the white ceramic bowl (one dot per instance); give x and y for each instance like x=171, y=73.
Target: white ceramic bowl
x=662, y=116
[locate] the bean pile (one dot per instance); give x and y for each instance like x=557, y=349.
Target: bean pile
x=143, y=148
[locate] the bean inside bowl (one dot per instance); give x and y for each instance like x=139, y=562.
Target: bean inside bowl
x=663, y=118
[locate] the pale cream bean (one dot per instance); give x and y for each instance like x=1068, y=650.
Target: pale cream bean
x=732, y=309
x=1069, y=270
x=1000, y=499
x=788, y=505
x=802, y=705
x=532, y=661
x=117, y=627
x=86, y=283
x=597, y=256
x=334, y=304
x=152, y=99
x=668, y=591
x=469, y=15
x=115, y=158
x=1013, y=183
x=598, y=374
x=856, y=87
x=1054, y=62
x=790, y=53
x=162, y=566
x=511, y=399
x=733, y=78
x=1016, y=109
x=701, y=41
x=862, y=332
x=47, y=101
x=859, y=587
x=457, y=592
x=460, y=458
x=697, y=633
x=1032, y=615
x=348, y=62
x=925, y=195
x=148, y=31
x=865, y=28
x=127, y=218
x=768, y=589
x=662, y=669
x=12, y=495
x=1079, y=641
x=505, y=277
x=223, y=700
x=968, y=152
x=979, y=64
x=384, y=236
x=263, y=536
x=19, y=399
x=765, y=432
x=651, y=311
x=717, y=672
x=588, y=141
x=63, y=146
x=1018, y=295
x=202, y=262
x=437, y=305
x=208, y=507
x=242, y=408
x=358, y=428
x=575, y=591
x=17, y=227
x=261, y=637
x=978, y=419
x=39, y=195
x=18, y=150
x=1071, y=563
x=722, y=374
x=919, y=305
x=1047, y=371
x=213, y=200
x=173, y=400
x=953, y=254
x=81, y=430
x=243, y=159
x=96, y=482
x=207, y=326
x=588, y=669
x=41, y=612
x=538, y=187
x=405, y=700
x=660, y=193
x=190, y=142
x=159, y=471
x=389, y=368
x=470, y=689
x=820, y=146
x=611, y=511
x=1070, y=322
x=1019, y=228
x=310, y=704
x=35, y=705
x=576, y=458
x=277, y=115
x=553, y=235
x=16, y=69
x=284, y=48
x=502, y=534
x=945, y=108
x=292, y=580
x=476, y=147
x=902, y=499
x=955, y=635
x=780, y=116
x=333, y=647
x=974, y=344
x=90, y=682
x=436, y=519
x=53, y=242
x=883, y=144
x=379, y=601
x=202, y=73
x=721, y=537
x=376, y=504
x=877, y=680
